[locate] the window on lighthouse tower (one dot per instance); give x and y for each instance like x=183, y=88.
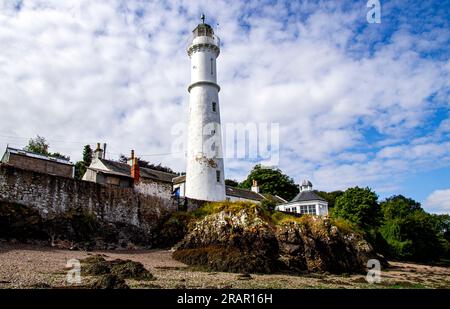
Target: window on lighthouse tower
x=218, y=175
x=214, y=106
x=212, y=64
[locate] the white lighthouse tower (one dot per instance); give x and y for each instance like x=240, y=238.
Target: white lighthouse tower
x=204, y=171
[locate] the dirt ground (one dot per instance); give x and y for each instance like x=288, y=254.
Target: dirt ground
x=28, y=266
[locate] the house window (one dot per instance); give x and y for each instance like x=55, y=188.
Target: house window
x=214, y=106
x=218, y=176
x=308, y=209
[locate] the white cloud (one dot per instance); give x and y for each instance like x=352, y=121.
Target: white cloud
x=88, y=71
x=438, y=202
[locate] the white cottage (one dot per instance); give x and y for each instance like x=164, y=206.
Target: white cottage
x=306, y=202
x=129, y=175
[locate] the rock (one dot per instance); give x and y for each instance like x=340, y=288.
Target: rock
x=128, y=269
x=242, y=238
x=313, y=244
x=245, y=276
x=41, y=285
x=97, y=268
x=231, y=241
x=125, y=269
x=109, y=281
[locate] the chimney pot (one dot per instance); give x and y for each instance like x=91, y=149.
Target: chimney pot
x=98, y=153
x=255, y=187
x=104, y=150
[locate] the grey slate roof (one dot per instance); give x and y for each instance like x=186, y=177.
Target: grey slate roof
x=243, y=193
x=307, y=196
x=276, y=198
x=179, y=179
x=236, y=192
x=125, y=170
x=25, y=153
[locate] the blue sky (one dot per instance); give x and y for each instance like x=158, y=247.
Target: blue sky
x=356, y=103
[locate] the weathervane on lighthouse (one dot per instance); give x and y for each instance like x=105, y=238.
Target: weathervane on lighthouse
x=205, y=168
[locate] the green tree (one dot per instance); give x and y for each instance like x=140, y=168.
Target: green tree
x=410, y=232
x=146, y=164
x=38, y=145
x=330, y=197
x=442, y=225
x=271, y=181
x=81, y=166
x=359, y=206
x=398, y=206
x=231, y=183
x=269, y=203
x=87, y=155
x=59, y=156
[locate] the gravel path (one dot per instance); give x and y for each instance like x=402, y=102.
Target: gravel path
x=29, y=266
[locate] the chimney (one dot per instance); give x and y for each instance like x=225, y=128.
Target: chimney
x=98, y=153
x=130, y=160
x=104, y=150
x=135, y=173
x=255, y=187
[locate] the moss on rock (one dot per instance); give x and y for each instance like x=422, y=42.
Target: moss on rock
x=128, y=269
x=97, y=265
x=109, y=281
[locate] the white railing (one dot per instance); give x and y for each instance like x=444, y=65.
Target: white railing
x=194, y=40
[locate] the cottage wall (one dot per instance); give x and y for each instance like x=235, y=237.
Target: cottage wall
x=53, y=195
x=43, y=166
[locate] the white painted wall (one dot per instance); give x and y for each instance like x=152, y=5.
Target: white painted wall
x=182, y=187
x=321, y=207
x=154, y=188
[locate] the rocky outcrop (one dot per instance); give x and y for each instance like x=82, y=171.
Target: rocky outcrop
x=73, y=229
x=314, y=244
x=235, y=242
x=249, y=240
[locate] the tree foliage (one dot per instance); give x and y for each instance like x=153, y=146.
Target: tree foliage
x=330, y=197
x=145, y=164
x=81, y=166
x=359, y=206
x=271, y=181
x=87, y=155
x=40, y=145
x=231, y=183
x=410, y=232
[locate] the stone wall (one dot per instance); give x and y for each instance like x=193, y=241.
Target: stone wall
x=54, y=195
x=150, y=187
